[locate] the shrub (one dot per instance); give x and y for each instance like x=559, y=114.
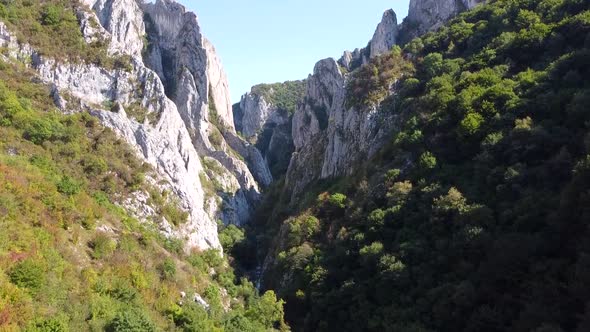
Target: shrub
x=68, y=186
x=131, y=320
x=452, y=201
x=523, y=124
x=399, y=191
x=231, y=236
x=471, y=123
x=410, y=87
x=192, y=317
x=168, y=269
x=94, y=165
x=392, y=175
x=52, y=15
x=174, y=214
x=49, y=325
x=427, y=160
x=41, y=129
x=28, y=274
x=198, y=262
x=302, y=228
x=123, y=291
x=337, y=200
x=240, y=323
x=216, y=138
x=213, y=258
x=376, y=218
x=432, y=65
x=102, y=246
x=173, y=245
x=372, y=250
x=267, y=310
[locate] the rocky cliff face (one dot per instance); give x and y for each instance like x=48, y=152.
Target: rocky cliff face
x=194, y=79
x=385, y=36
x=177, y=49
x=428, y=15
x=267, y=125
x=331, y=138
x=327, y=138
x=124, y=20
x=172, y=106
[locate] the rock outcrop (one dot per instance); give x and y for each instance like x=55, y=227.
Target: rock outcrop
x=264, y=118
x=124, y=21
x=386, y=34
x=428, y=15
x=194, y=79
x=331, y=138
x=176, y=49
x=384, y=38
x=268, y=127
x=254, y=113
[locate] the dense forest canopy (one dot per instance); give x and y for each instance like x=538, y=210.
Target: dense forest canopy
x=475, y=216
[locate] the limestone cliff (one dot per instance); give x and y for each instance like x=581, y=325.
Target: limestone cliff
x=332, y=138
x=264, y=116
x=385, y=36
x=428, y=15
x=171, y=104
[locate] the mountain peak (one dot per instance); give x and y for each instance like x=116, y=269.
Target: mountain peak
x=385, y=35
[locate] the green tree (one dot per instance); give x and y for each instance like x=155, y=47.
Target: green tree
x=427, y=160
x=131, y=320
x=471, y=123
x=28, y=274
x=230, y=236
x=267, y=310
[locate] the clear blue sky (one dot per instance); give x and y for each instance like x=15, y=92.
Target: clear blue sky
x=266, y=41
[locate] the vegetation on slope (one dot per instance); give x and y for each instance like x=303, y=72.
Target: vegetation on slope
x=475, y=217
x=372, y=83
x=51, y=27
x=71, y=259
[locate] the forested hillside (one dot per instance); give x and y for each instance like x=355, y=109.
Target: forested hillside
x=475, y=216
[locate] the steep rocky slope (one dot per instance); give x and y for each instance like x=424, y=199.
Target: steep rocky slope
x=330, y=137
x=429, y=15
x=113, y=175
x=264, y=118
x=173, y=107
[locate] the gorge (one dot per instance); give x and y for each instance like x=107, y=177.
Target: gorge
x=420, y=183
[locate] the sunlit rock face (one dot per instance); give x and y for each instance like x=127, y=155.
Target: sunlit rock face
x=177, y=47
x=386, y=34
x=177, y=82
x=330, y=137
x=385, y=37
x=267, y=127
x=428, y=15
